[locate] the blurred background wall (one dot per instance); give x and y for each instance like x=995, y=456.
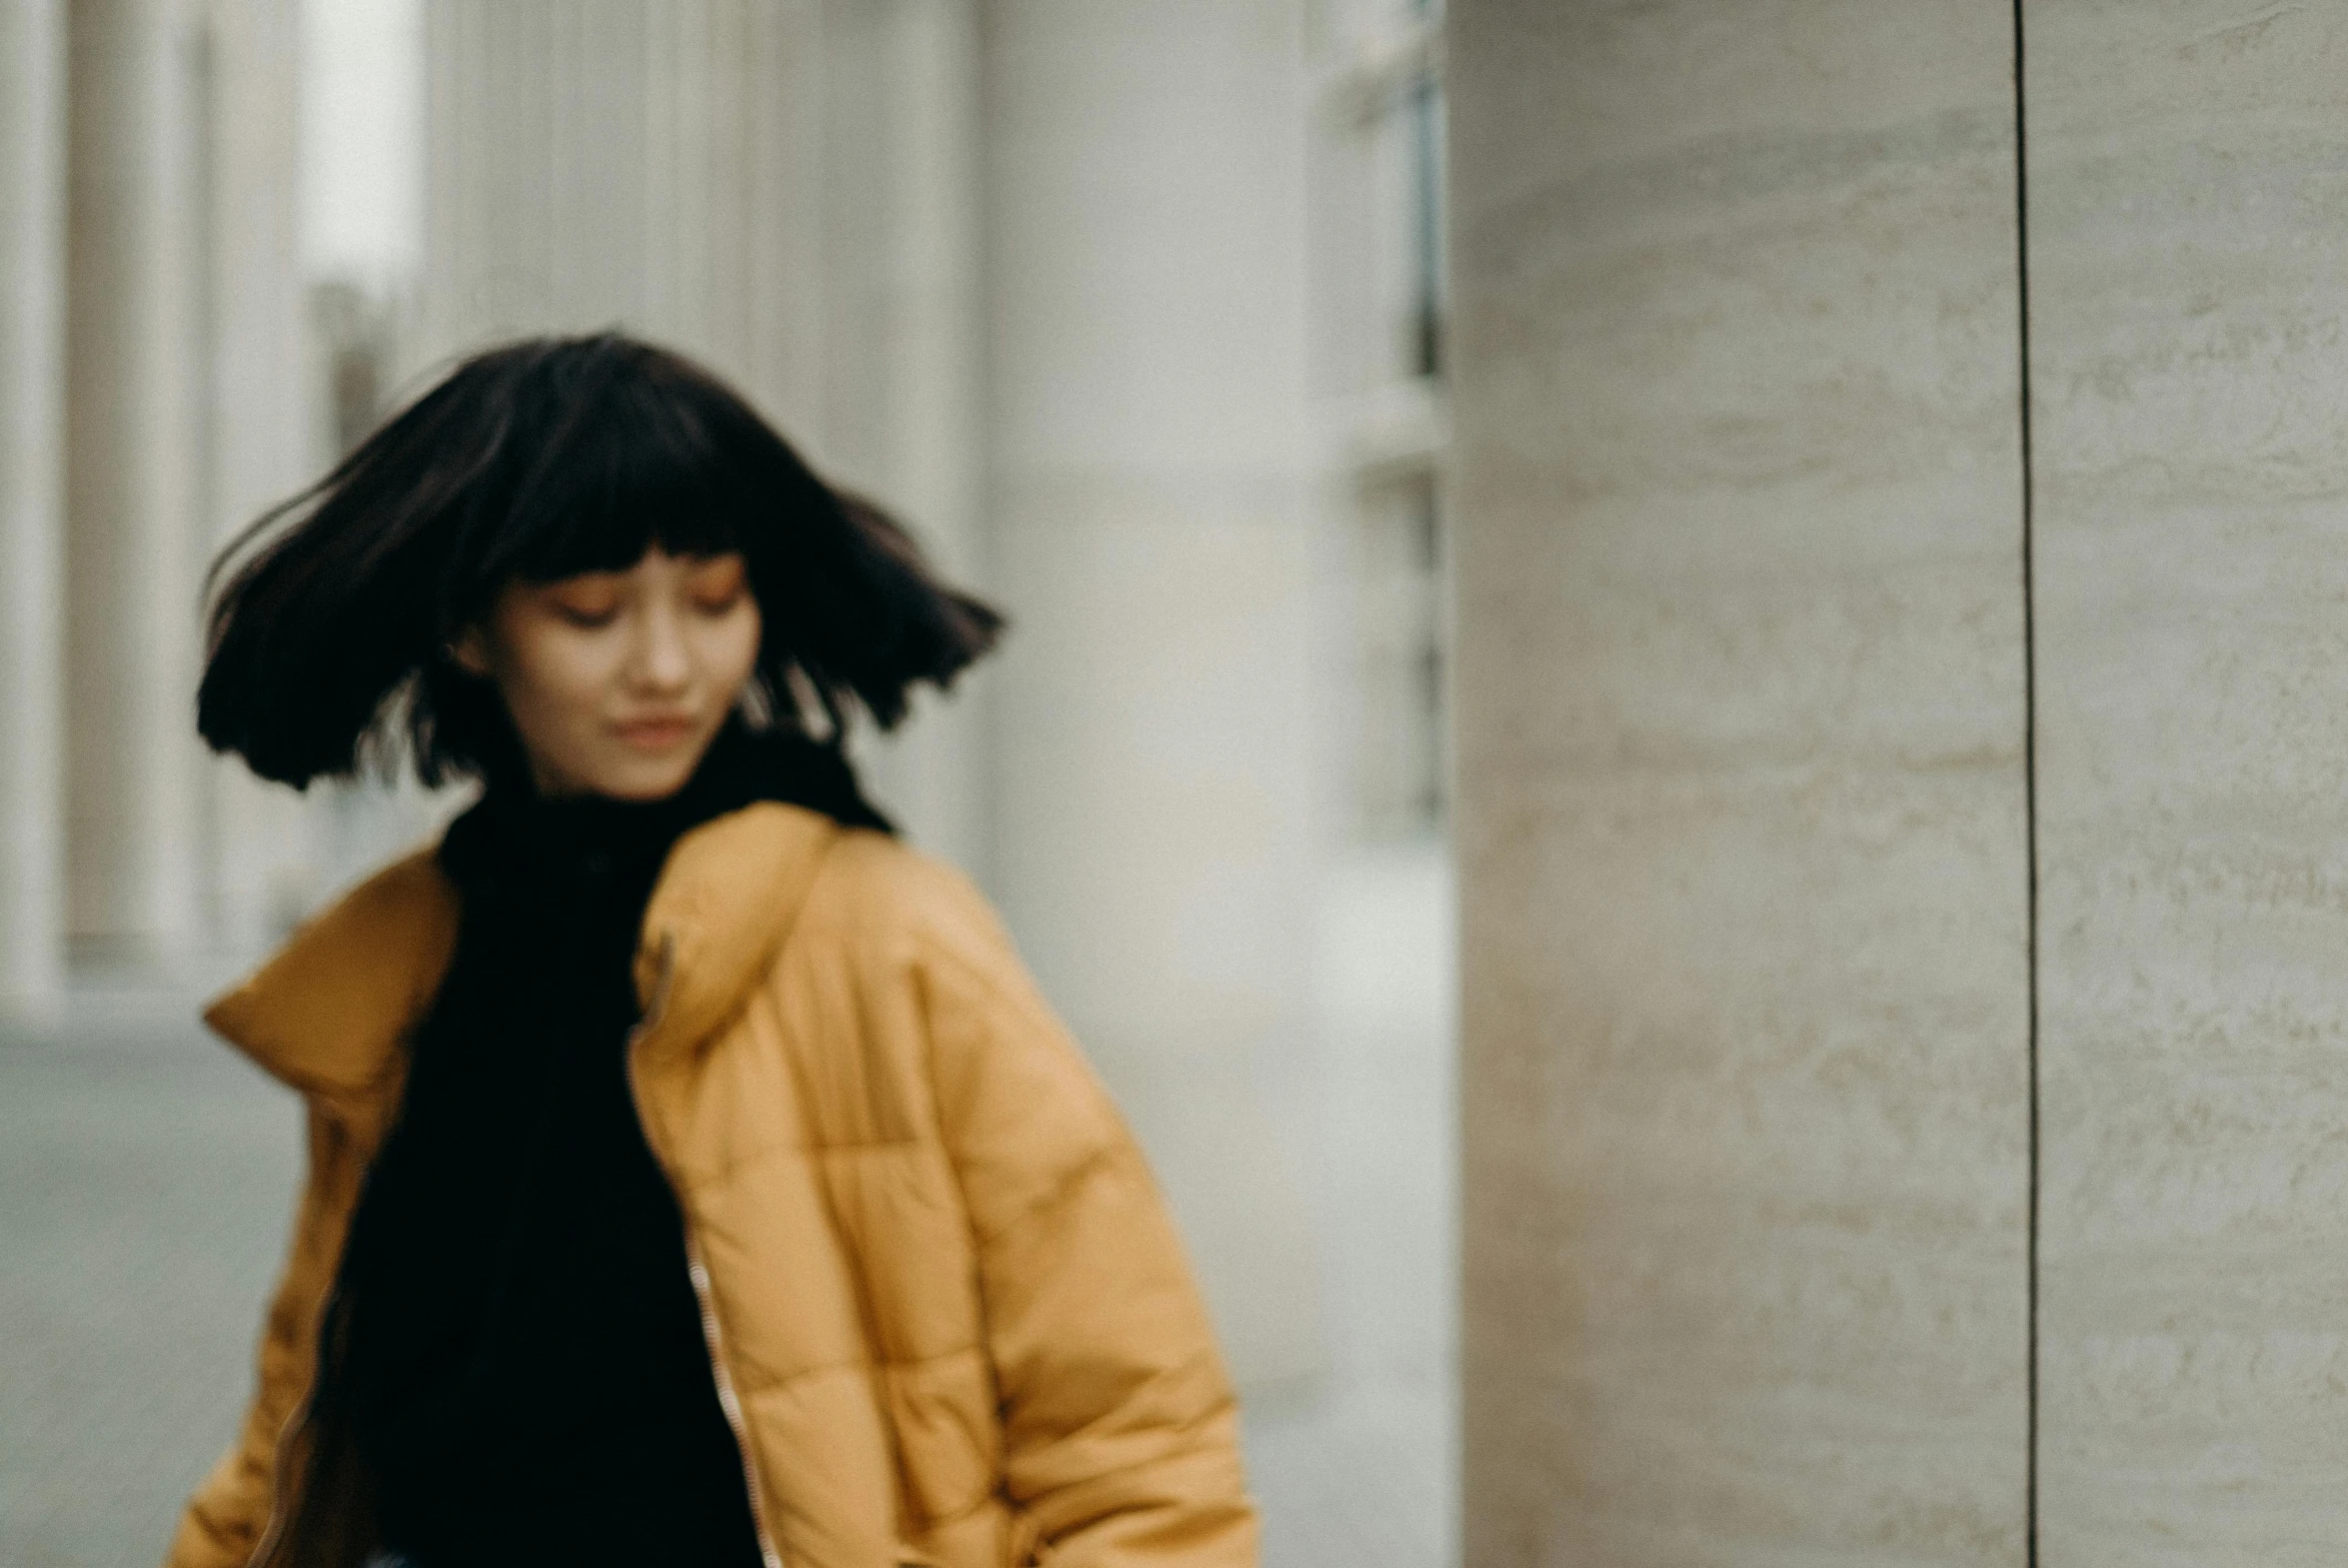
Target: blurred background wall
x=1132, y=311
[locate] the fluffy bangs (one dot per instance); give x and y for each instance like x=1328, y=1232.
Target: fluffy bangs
x=630, y=464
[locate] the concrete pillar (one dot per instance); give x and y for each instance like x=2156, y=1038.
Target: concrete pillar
x=134, y=548
x=260, y=401
x=1150, y=528
x=1741, y=808
x=902, y=329
x=2187, y=306
x=32, y=500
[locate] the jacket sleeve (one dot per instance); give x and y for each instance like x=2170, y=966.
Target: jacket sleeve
x=1120, y=1434
x=223, y=1521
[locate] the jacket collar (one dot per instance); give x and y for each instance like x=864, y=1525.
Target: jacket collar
x=330, y=1013
x=726, y=898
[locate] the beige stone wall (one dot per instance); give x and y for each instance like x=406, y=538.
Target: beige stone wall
x=2191, y=588
x=1742, y=823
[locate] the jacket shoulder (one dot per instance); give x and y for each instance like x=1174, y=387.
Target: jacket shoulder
x=882, y=897
x=1016, y=1092
x=908, y=923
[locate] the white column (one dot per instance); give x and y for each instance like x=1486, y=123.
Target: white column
x=902, y=335
x=134, y=545
x=261, y=433
x=1145, y=398
x=32, y=498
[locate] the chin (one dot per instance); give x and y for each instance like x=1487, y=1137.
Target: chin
x=642, y=780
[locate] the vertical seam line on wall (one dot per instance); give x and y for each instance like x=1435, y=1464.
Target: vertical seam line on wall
x=2029, y=790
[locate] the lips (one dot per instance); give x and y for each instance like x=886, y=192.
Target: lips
x=654, y=734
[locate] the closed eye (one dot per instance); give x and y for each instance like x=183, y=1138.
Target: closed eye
x=716, y=589
x=587, y=617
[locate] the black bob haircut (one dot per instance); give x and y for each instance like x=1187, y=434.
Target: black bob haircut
x=333, y=615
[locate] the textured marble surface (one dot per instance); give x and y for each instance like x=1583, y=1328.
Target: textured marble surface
x=1740, y=695
x=2188, y=198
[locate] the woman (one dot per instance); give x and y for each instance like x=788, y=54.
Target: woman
x=695, y=1178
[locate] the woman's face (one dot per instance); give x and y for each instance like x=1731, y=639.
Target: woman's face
x=619, y=680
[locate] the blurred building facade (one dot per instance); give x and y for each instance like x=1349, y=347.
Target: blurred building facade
x=152, y=290
x=1131, y=311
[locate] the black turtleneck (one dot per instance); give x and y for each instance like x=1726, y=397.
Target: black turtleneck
x=521, y=1358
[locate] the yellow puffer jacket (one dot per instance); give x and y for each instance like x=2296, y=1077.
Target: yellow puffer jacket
x=951, y=1322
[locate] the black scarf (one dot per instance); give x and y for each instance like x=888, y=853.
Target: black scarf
x=525, y=1377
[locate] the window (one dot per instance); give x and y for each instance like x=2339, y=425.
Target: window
x=1381, y=314
x=1400, y=647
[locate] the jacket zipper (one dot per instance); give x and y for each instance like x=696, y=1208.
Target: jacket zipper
x=696, y=1272
x=728, y=1400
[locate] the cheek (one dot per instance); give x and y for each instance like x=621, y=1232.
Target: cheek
x=735, y=651
x=554, y=673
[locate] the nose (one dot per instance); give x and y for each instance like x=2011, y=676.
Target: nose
x=662, y=662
